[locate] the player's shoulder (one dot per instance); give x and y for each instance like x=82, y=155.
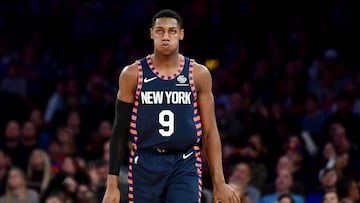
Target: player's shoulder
x=130, y=67
x=129, y=71
x=202, y=76
x=133, y=67
x=200, y=69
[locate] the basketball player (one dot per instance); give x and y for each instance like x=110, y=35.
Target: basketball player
x=166, y=99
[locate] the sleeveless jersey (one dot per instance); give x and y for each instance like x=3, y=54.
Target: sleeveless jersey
x=165, y=113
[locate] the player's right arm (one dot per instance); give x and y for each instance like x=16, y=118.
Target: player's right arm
x=120, y=132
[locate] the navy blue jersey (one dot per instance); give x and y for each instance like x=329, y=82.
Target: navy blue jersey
x=165, y=113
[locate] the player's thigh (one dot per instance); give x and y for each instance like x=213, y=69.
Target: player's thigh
x=148, y=179
x=184, y=183
x=186, y=190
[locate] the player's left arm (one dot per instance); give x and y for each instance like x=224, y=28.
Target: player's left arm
x=211, y=138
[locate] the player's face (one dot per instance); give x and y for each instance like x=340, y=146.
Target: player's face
x=166, y=34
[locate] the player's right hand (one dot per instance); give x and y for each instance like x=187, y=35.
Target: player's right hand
x=112, y=195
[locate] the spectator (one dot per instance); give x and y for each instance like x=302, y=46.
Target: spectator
x=14, y=82
x=39, y=171
x=57, y=197
x=13, y=146
x=330, y=197
x=285, y=198
x=62, y=145
x=55, y=102
x=283, y=184
x=347, y=160
x=44, y=135
x=253, y=155
x=240, y=192
x=16, y=189
x=29, y=137
x=4, y=167
x=328, y=177
x=344, y=116
x=313, y=119
x=84, y=194
x=241, y=175
x=68, y=178
x=94, y=148
x=348, y=190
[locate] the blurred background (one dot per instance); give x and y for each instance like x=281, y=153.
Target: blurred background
x=286, y=81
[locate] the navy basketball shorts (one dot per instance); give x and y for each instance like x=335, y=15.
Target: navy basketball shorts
x=165, y=177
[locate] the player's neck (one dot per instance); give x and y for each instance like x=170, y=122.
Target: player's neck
x=165, y=62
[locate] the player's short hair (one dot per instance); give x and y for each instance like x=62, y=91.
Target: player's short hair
x=167, y=13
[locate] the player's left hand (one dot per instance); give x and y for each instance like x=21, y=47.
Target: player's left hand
x=224, y=193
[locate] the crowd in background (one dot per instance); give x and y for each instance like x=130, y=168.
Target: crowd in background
x=286, y=82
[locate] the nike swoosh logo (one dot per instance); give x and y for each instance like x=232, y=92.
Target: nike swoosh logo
x=146, y=80
x=185, y=156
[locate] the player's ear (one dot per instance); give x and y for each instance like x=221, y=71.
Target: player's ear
x=151, y=36
x=182, y=34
